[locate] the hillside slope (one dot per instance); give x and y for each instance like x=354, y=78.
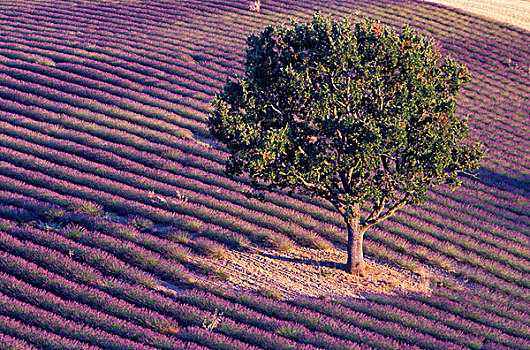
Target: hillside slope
x=114, y=204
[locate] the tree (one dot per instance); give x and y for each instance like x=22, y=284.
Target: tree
x=359, y=115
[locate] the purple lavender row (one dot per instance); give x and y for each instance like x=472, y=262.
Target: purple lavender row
x=395, y=242
x=77, y=312
x=180, y=105
x=10, y=343
x=53, y=260
x=490, y=302
x=516, y=329
x=14, y=192
x=466, y=43
x=149, y=160
x=74, y=330
x=414, y=231
x=254, y=335
x=408, y=328
x=486, y=222
x=37, y=25
x=106, y=72
x=485, y=212
x=40, y=338
x=134, y=255
x=93, y=261
x=121, y=33
x=130, y=146
x=87, y=295
x=484, y=243
x=175, y=95
x=76, y=204
x=243, y=314
x=493, y=197
x=16, y=210
x=124, y=199
x=393, y=238
x=58, y=97
x=41, y=108
x=125, y=99
x=185, y=314
x=450, y=319
x=489, y=200
x=89, y=255
x=453, y=333
x=171, y=250
x=129, y=62
x=422, y=221
x=317, y=322
x=112, y=134
x=192, y=190
x=150, y=64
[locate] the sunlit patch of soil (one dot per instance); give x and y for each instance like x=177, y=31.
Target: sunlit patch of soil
x=514, y=12
x=316, y=273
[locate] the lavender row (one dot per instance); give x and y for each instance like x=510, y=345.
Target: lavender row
x=49, y=238
x=129, y=146
x=480, y=316
x=77, y=312
x=10, y=343
x=87, y=295
x=56, y=261
x=158, y=78
x=121, y=98
x=124, y=199
x=53, y=323
x=451, y=231
x=227, y=327
x=39, y=337
x=492, y=246
x=177, y=179
x=135, y=294
x=405, y=327
x=414, y=231
x=317, y=322
x=59, y=101
x=483, y=326
x=142, y=183
x=286, y=329
x=477, y=274
x=266, y=341
x=77, y=118
x=96, y=79
x=491, y=302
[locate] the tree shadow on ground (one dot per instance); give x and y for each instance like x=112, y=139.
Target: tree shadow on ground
x=312, y=262
x=519, y=186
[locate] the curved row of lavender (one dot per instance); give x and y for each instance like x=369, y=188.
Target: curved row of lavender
x=110, y=185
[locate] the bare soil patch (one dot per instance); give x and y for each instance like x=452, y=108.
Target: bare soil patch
x=316, y=273
x=515, y=12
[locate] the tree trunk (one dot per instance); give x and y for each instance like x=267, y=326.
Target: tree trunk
x=355, y=263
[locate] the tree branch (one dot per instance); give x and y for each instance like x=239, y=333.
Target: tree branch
x=377, y=210
x=377, y=219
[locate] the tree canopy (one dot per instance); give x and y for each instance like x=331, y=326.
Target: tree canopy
x=357, y=114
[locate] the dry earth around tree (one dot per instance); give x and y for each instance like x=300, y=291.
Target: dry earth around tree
x=318, y=273
x=516, y=12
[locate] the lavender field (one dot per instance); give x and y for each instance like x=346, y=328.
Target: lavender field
x=111, y=188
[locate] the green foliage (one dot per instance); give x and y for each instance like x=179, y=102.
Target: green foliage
x=349, y=113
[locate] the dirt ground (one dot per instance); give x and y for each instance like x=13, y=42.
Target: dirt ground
x=317, y=273
x=516, y=12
